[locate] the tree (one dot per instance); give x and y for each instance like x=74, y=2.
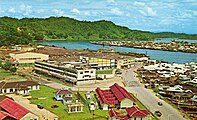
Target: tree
x=7, y=65
x=13, y=69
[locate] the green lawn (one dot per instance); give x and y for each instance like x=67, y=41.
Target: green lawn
x=4, y=73
x=46, y=95
x=8, y=76
x=26, y=64
x=104, y=72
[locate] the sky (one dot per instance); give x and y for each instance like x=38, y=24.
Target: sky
x=179, y=16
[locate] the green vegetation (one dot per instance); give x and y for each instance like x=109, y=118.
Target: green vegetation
x=26, y=64
x=8, y=66
x=47, y=94
x=8, y=76
x=156, y=90
x=104, y=72
x=26, y=30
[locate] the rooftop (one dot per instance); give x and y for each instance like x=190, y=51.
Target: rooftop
x=13, y=108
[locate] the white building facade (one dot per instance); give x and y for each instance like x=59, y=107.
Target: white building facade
x=66, y=72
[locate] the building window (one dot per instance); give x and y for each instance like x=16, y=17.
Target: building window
x=86, y=71
x=5, y=91
x=11, y=90
x=81, y=72
x=91, y=71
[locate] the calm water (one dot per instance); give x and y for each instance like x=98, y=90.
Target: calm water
x=177, y=57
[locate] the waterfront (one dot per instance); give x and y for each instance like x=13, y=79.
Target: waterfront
x=177, y=57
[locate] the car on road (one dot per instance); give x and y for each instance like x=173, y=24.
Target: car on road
x=40, y=106
x=160, y=103
x=158, y=113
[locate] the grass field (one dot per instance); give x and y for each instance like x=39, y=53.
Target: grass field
x=104, y=72
x=46, y=93
x=8, y=76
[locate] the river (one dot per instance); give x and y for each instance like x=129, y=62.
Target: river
x=168, y=56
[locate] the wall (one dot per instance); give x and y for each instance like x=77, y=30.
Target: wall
x=30, y=116
x=86, y=82
x=29, y=57
x=105, y=76
x=125, y=103
x=86, y=74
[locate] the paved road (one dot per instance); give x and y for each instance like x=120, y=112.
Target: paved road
x=148, y=98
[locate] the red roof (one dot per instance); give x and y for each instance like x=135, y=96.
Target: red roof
x=136, y=112
x=13, y=108
x=115, y=114
x=63, y=92
x=131, y=112
x=105, y=96
x=67, y=98
x=114, y=95
x=5, y=114
x=121, y=93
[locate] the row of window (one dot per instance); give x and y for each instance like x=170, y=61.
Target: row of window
x=56, y=67
x=29, y=58
x=86, y=72
x=56, y=71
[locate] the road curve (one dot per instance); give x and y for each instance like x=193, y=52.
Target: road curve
x=148, y=98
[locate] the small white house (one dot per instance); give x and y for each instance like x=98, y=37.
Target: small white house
x=21, y=87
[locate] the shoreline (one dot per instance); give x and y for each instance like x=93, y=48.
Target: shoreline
x=97, y=43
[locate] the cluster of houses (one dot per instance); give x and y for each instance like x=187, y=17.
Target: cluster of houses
x=176, y=82
x=117, y=97
x=171, y=46
x=167, y=73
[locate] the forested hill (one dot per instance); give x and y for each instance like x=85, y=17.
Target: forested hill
x=23, y=31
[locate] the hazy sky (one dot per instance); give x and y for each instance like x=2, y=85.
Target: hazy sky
x=151, y=15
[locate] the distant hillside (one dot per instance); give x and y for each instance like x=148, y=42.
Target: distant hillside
x=23, y=31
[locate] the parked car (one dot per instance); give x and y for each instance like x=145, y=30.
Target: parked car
x=158, y=113
x=160, y=103
x=40, y=106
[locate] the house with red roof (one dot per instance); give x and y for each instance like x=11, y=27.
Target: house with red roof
x=116, y=96
x=6, y=116
x=15, y=111
x=63, y=95
x=133, y=113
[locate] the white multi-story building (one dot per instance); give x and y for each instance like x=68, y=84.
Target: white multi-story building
x=75, y=72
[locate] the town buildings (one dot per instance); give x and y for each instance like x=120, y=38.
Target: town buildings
x=75, y=72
